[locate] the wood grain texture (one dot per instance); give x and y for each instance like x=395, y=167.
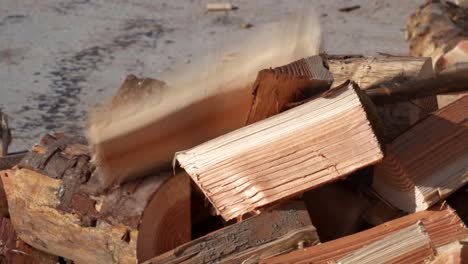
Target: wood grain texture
x=411, y=245
x=265, y=235
x=276, y=89
x=428, y=162
x=15, y=251
x=454, y=253
x=302, y=148
x=442, y=224
x=54, y=207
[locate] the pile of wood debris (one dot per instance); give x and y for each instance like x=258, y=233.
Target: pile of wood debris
x=328, y=159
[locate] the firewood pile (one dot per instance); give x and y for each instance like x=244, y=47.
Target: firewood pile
x=327, y=159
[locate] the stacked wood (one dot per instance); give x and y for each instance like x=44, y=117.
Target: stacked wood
x=305, y=147
x=441, y=223
x=15, y=251
x=439, y=29
x=428, y=162
x=125, y=151
x=271, y=233
x=54, y=207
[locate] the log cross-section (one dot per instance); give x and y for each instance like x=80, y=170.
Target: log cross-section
x=302, y=148
x=428, y=162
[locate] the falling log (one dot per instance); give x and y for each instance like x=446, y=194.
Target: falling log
x=144, y=139
x=428, y=162
x=439, y=29
x=133, y=89
x=279, y=231
x=15, y=251
x=300, y=149
x=387, y=72
x=441, y=222
x=54, y=207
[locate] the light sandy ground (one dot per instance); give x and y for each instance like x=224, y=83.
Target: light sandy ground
x=59, y=58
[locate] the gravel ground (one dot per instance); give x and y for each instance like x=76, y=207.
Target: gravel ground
x=58, y=59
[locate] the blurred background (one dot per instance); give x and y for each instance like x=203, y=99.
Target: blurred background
x=60, y=58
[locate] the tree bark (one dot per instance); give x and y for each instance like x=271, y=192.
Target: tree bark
x=54, y=207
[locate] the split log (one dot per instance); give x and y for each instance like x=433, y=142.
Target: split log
x=387, y=72
x=409, y=245
x=52, y=208
x=439, y=29
x=269, y=234
x=455, y=253
x=442, y=224
x=300, y=149
x=142, y=139
x=15, y=251
x=428, y=162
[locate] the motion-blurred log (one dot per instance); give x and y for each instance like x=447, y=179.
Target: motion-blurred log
x=133, y=89
x=387, y=72
x=428, y=162
x=15, y=251
x=442, y=224
x=269, y=234
x=52, y=208
x=312, y=144
x=140, y=139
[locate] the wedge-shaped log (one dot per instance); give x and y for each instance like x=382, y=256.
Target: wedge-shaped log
x=132, y=140
x=411, y=245
x=53, y=207
x=428, y=162
x=442, y=224
x=302, y=148
x=271, y=233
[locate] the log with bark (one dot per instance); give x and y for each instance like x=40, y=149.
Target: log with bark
x=279, y=231
x=387, y=72
x=54, y=207
x=441, y=222
x=439, y=29
x=428, y=162
x=15, y=251
x=310, y=145
x=137, y=141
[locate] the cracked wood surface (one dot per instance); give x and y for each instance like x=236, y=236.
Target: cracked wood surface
x=441, y=222
x=302, y=148
x=54, y=207
x=428, y=162
x=271, y=233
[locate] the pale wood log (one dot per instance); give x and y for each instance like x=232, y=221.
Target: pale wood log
x=305, y=147
x=52, y=208
x=442, y=224
x=454, y=253
x=219, y=7
x=15, y=251
x=428, y=162
x=279, y=231
x=411, y=245
x=144, y=138
x=387, y=72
